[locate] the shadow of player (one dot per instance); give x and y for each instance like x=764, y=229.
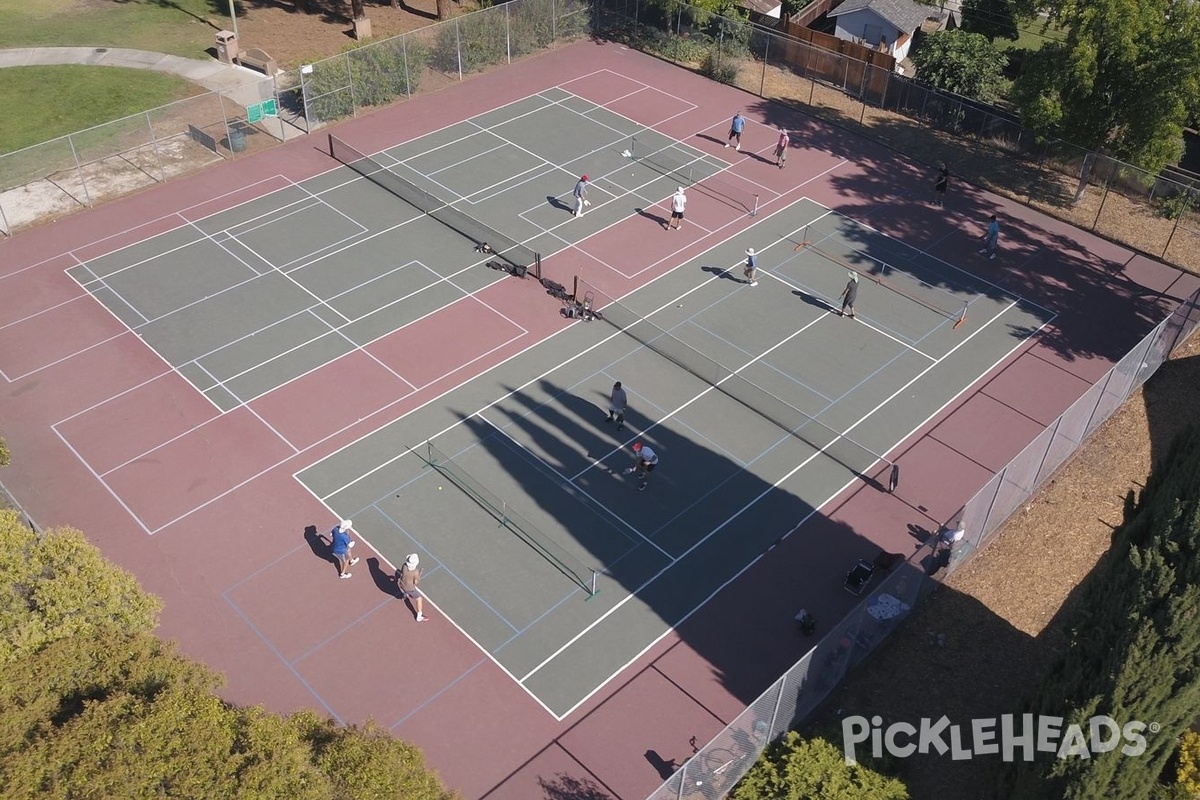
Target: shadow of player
x=559, y=204
x=662, y=221
x=724, y=273
x=385, y=580
x=321, y=547
x=815, y=302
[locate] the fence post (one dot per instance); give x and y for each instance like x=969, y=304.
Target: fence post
x=458, y=46
x=762, y=87
x=1182, y=210
x=162, y=170
x=79, y=169
x=407, y=75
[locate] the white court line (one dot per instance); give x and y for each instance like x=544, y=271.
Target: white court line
x=742, y=510
x=573, y=484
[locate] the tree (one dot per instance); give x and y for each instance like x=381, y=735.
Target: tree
x=443, y=10
x=798, y=769
x=993, y=19
x=92, y=704
x=1134, y=652
x=1124, y=81
x=963, y=63
x=57, y=585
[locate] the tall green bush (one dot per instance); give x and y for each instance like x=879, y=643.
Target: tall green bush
x=92, y=704
x=368, y=75
x=1134, y=653
x=805, y=769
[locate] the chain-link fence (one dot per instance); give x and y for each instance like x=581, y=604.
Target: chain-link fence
x=1010, y=488
x=712, y=772
x=718, y=765
x=1156, y=214
x=49, y=180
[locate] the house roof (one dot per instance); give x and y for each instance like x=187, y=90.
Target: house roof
x=906, y=15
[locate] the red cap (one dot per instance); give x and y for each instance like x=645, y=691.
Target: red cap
x=637, y=446
x=584, y=178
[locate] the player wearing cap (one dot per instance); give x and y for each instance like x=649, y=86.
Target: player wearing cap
x=678, y=201
x=751, y=268
x=647, y=460
x=407, y=578
x=849, y=295
x=581, y=195
x=340, y=538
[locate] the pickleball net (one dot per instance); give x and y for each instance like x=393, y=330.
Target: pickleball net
x=541, y=543
x=935, y=299
x=837, y=445
x=696, y=174
x=520, y=258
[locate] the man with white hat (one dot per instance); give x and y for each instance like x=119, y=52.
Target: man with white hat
x=408, y=578
x=678, y=201
x=342, y=543
x=849, y=295
x=751, y=268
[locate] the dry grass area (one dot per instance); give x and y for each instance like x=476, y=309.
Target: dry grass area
x=978, y=646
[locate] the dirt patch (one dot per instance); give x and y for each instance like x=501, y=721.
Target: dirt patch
x=293, y=37
x=980, y=644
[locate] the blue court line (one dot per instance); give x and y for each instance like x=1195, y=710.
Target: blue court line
x=442, y=565
x=344, y=629
x=438, y=693
x=282, y=660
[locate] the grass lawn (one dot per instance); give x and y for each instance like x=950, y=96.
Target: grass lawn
x=47, y=102
x=178, y=27
x=1036, y=34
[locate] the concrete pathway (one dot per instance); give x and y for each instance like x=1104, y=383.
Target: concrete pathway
x=239, y=84
x=209, y=73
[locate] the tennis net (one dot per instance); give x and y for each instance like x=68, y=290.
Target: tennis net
x=695, y=174
x=529, y=533
x=860, y=460
x=933, y=298
x=520, y=258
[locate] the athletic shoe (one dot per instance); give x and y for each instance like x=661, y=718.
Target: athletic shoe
x=992, y=257
x=628, y=471
x=738, y=148
x=353, y=561
x=981, y=252
x=641, y=487
x=727, y=144
x=422, y=618
x=345, y=575
x=754, y=283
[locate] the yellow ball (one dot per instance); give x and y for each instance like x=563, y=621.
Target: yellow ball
x=439, y=488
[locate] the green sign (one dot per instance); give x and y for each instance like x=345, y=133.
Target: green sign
x=255, y=113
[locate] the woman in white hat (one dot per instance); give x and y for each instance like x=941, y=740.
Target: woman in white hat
x=407, y=579
x=849, y=295
x=751, y=268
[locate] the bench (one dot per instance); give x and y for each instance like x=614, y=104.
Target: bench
x=259, y=60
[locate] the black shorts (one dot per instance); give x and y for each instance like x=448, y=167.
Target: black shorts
x=676, y=215
x=646, y=465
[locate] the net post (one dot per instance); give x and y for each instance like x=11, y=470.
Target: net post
x=894, y=478
x=962, y=317
x=575, y=287
x=754, y=211
x=592, y=591
x=632, y=147
x=331, y=155
x=537, y=265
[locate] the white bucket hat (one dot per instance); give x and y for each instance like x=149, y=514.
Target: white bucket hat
x=412, y=561
x=750, y=251
x=346, y=525
x=853, y=276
